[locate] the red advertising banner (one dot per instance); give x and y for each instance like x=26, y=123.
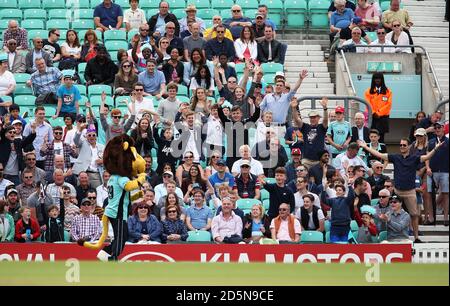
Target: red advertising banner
x=288, y=253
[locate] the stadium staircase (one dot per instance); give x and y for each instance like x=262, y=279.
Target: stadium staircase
x=430, y=31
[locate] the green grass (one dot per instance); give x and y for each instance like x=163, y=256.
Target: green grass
x=172, y=274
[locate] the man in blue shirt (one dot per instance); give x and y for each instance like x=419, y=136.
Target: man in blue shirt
x=341, y=19
x=221, y=177
x=237, y=22
x=199, y=216
x=405, y=166
x=68, y=97
x=108, y=16
x=339, y=133
x=153, y=80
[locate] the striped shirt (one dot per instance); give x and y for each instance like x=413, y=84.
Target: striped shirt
x=87, y=227
x=71, y=212
x=46, y=82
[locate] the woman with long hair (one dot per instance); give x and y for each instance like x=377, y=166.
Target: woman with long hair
x=419, y=116
x=194, y=177
x=142, y=136
x=161, y=50
x=125, y=78
x=172, y=199
x=197, y=60
x=399, y=37
x=256, y=225
x=212, y=167
x=203, y=79
x=246, y=46
x=70, y=51
x=183, y=169
x=89, y=50
x=380, y=99
x=199, y=103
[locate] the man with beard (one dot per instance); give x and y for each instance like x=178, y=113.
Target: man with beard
x=101, y=69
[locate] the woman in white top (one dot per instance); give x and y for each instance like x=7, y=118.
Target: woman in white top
x=398, y=37
x=211, y=169
x=7, y=81
x=70, y=51
x=203, y=79
x=246, y=46
x=197, y=60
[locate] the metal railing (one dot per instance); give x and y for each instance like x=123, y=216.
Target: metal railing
x=346, y=100
x=433, y=71
x=441, y=104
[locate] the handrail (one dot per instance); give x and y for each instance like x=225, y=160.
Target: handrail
x=346, y=104
x=433, y=71
x=442, y=103
x=348, y=72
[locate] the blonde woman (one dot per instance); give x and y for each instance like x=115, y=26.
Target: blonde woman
x=256, y=225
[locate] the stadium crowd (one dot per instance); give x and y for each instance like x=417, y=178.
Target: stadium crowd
x=236, y=160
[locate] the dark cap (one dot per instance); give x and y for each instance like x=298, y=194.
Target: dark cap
x=395, y=198
x=80, y=117
x=221, y=162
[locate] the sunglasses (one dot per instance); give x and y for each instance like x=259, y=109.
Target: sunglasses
x=379, y=167
x=381, y=33
x=142, y=207
x=300, y=170
x=236, y=11
x=222, y=33
x=39, y=42
x=172, y=211
x=143, y=30
x=392, y=202
x=91, y=135
x=383, y=197
x=139, y=89
x=66, y=192
x=117, y=117
x=245, y=166
x=396, y=25
x=167, y=175
x=12, y=44
x=403, y=145
x=164, y=42
x=126, y=66
x=168, y=28
x=92, y=198
x=27, y=177
x=31, y=158
x=283, y=209
x=86, y=204
x=387, y=186
x=11, y=132
x=58, y=133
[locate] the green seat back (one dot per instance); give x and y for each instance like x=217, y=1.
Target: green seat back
x=311, y=237
x=199, y=236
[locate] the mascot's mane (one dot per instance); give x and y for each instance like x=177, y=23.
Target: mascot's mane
x=118, y=157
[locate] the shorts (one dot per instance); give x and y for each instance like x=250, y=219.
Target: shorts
x=440, y=180
x=409, y=200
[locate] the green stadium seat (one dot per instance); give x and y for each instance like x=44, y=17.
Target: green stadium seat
x=98, y=89
x=275, y=10
x=268, y=241
x=179, y=13
x=327, y=237
x=327, y=225
x=248, y=4
x=125, y=4
x=25, y=100
x=372, y=35
x=26, y=4
x=271, y=67
x=239, y=67
x=94, y=3
x=83, y=24
x=37, y=33
x=8, y=4
x=319, y=13
x=59, y=13
x=151, y=12
x=176, y=4
x=226, y=14
x=247, y=203
x=40, y=14
x=266, y=204
x=78, y=4
x=149, y=4
x=114, y=45
x=85, y=13
x=50, y=110
x=374, y=202
x=354, y=226
x=382, y=236
x=222, y=4
x=264, y=195
x=81, y=88
x=183, y=91
x=270, y=180
x=51, y=4
x=250, y=13
x=32, y=24
x=184, y=99
x=131, y=33
x=208, y=23
x=81, y=68
x=22, y=89
x=83, y=100
x=58, y=24
x=6, y=98
x=97, y=100
x=295, y=11
x=11, y=13
x=21, y=78
x=311, y=237
x=200, y=4
x=199, y=236
x=114, y=35
x=59, y=121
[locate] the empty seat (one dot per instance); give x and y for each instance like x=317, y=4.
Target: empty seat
x=22, y=89
x=319, y=13
x=247, y=204
x=11, y=13
x=25, y=100
x=199, y=236
x=98, y=89
x=35, y=14
x=59, y=13
x=58, y=24
x=21, y=77
x=179, y=13
x=114, y=35
x=78, y=4
x=26, y=4
x=31, y=24
x=248, y=4
x=222, y=4
x=207, y=14
x=8, y=3
x=174, y=4
x=149, y=4
x=272, y=67
x=97, y=100
x=85, y=13
x=114, y=45
x=200, y=4
x=125, y=4
x=83, y=24
x=311, y=237
x=295, y=11
x=51, y=4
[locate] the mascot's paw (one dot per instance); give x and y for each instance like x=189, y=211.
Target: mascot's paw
x=81, y=242
x=103, y=256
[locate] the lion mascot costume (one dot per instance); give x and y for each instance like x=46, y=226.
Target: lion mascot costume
x=127, y=169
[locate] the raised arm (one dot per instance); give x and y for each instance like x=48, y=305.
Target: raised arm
x=295, y=113
x=324, y=103
x=430, y=154
x=303, y=74
x=383, y=156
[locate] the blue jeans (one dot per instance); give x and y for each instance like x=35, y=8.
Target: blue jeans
x=339, y=233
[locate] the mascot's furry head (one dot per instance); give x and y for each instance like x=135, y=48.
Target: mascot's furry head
x=121, y=158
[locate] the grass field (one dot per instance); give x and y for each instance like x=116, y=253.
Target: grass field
x=172, y=274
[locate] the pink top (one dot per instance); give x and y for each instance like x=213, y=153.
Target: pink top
x=221, y=227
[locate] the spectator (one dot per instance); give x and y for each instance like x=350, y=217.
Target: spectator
x=161, y=189
x=51, y=46
x=143, y=226
x=191, y=12
x=339, y=133
x=3, y=182
x=173, y=228
x=226, y=227
x=54, y=148
x=211, y=32
x=90, y=157
x=316, y=171
x=356, y=40
x=153, y=80
x=381, y=40
x=419, y=117
x=30, y=164
x=332, y=8
x=134, y=17
x=193, y=41
x=349, y=158
x=399, y=37
x=377, y=179
x=116, y=128
x=168, y=108
x=68, y=97
x=108, y=16
x=7, y=227
x=142, y=136
x=279, y=192
x=212, y=167
x=237, y=21
x=58, y=181
x=226, y=79
x=100, y=69
x=247, y=184
x=125, y=79
x=27, y=228
x=89, y=48
x=196, y=61
x=102, y=190
x=43, y=132
x=12, y=199
x=86, y=226
x=397, y=221
x=18, y=34
x=146, y=50
x=199, y=215
x=221, y=177
x=16, y=61
x=194, y=179
x=360, y=187
x=83, y=187
x=264, y=11
x=58, y=162
x=359, y=131
x=171, y=198
x=157, y=23
x=341, y=211
x=27, y=187
x=285, y=227
x=255, y=166
x=70, y=51
x=382, y=207
x=313, y=134
x=202, y=79
x=269, y=49
x=272, y=156
x=402, y=16
x=380, y=98
x=256, y=225
x=367, y=229
x=301, y=188
x=174, y=40
x=165, y=153
x=220, y=45
x=405, y=166
x=173, y=69
x=374, y=143
x=12, y=116
x=161, y=50
x=428, y=123
x=259, y=26
x=53, y=228
x=37, y=53
x=246, y=46
x=369, y=14
x=310, y=216
x=437, y=169
x=190, y=131
x=341, y=19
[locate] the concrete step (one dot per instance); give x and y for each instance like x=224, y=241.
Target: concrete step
x=304, y=47
x=295, y=58
x=312, y=69
x=426, y=33
x=432, y=239
x=316, y=80
x=429, y=10
x=315, y=92
x=424, y=23
x=434, y=3
x=293, y=64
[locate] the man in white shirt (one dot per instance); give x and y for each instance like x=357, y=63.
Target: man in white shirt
x=255, y=166
x=285, y=227
x=349, y=158
x=102, y=190
x=381, y=40
x=356, y=40
x=161, y=189
x=141, y=103
x=134, y=16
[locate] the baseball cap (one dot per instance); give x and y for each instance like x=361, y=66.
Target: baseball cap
x=168, y=172
x=11, y=191
x=420, y=132
x=68, y=73
x=367, y=209
x=16, y=121
x=190, y=7
x=339, y=109
x=279, y=74
x=221, y=162
x=245, y=163
x=80, y=117
x=296, y=151
x=3, y=57
x=441, y=123
x=395, y=197
x=259, y=15
x=85, y=200
x=313, y=113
